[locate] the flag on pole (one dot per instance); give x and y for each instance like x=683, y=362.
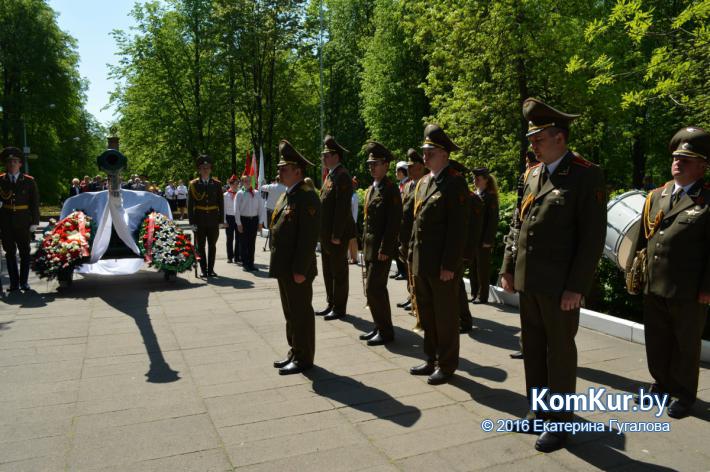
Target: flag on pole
x=252, y=171
x=262, y=177
x=247, y=164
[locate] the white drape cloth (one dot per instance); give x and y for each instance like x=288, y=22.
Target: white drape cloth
x=125, y=213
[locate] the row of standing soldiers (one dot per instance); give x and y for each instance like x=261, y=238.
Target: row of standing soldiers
x=435, y=224
x=551, y=254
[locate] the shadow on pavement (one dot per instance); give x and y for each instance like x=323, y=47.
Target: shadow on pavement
x=130, y=295
x=503, y=400
x=617, y=382
x=495, y=334
x=701, y=409
x=485, y=372
x=603, y=450
x=29, y=299
x=229, y=282
x=359, y=396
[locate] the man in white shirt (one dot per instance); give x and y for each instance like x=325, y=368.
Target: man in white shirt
x=170, y=196
x=250, y=215
x=230, y=230
x=181, y=197
x=274, y=191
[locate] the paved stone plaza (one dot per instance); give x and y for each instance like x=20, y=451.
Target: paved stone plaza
x=131, y=373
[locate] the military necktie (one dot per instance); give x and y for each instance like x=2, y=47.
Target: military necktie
x=676, y=197
x=543, y=178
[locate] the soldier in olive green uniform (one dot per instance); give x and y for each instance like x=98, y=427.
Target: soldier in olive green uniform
x=438, y=239
x=295, y=226
x=415, y=167
x=205, y=209
x=383, y=215
x=480, y=267
x=676, y=232
x=337, y=228
x=19, y=215
x=473, y=241
x=552, y=253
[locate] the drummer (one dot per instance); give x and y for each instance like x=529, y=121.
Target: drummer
x=563, y=214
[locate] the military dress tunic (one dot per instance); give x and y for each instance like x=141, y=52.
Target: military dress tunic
x=480, y=267
x=337, y=223
x=205, y=210
x=555, y=246
x=295, y=226
x=678, y=270
x=19, y=211
x=383, y=215
x=473, y=241
x=441, y=216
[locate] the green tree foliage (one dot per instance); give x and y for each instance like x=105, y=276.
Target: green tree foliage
x=393, y=103
x=42, y=96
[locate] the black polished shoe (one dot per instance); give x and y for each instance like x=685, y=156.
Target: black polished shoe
x=379, y=340
x=480, y=302
x=294, y=367
x=679, y=409
x=404, y=303
x=229, y=261
x=400, y=277
x=465, y=329
x=333, y=315
x=549, y=441
x=212, y=274
x=324, y=311
x=203, y=275
x=394, y=276
x=438, y=377
x=283, y=362
x=366, y=336
x=517, y=355
x=423, y=369
x=25, y=287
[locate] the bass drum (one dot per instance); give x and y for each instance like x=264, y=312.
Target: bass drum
x=623, y=216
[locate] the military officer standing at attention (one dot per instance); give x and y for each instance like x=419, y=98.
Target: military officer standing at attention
x=205, y=210
x=337, y=228
x=294, y=234
x=551, y=255
x=473, y=242
x=383, y=215
x=480, y=268
x=438, y=239
x=19, y=215
x=416, y=169
x=676, y=233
